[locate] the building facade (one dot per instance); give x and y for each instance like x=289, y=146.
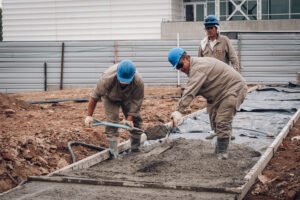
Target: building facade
x=58, y=20
x=61, y=20
x=228, y=10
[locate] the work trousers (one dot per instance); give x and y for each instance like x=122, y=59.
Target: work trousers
x=221, y=115
x=112, y=115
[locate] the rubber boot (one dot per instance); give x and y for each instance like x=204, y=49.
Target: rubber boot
x=211, y=136
x=135, y=144
x=113, y=148
x=222, y=148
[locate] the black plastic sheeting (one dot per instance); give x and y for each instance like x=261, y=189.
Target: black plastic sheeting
x=265, y=111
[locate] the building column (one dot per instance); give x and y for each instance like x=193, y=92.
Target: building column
x=217, y=9
x=259, y=10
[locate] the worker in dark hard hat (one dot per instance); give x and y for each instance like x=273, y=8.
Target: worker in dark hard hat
x=222, y=86
x=216, y=45
x=119, y=86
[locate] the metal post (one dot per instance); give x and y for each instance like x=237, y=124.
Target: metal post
x=45, y=76
x=298, y=78
x=62, y=66
x=239, y=50
x=178, y=74
x=116, y=52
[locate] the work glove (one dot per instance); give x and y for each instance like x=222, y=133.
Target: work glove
x=128, y=123
x=176, y=116
x=88, y=121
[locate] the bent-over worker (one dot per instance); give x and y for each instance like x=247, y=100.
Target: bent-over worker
x=223, y=87
x=119, y=86
x=216, y=45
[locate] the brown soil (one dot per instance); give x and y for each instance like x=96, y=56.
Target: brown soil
x=34, y=137
x=281, y=178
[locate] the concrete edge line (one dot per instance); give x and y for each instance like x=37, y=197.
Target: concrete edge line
x=103, y=155
x=266, y=157
x=128, y=183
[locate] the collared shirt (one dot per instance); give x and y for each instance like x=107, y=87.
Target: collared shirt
x=222, y=50
x=212, y=79
x=212, y=44
x=109, y=87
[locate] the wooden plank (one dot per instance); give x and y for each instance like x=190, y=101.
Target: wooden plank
x=284, y=132
x=253, y=173
x=137, y=184
x=266, y=157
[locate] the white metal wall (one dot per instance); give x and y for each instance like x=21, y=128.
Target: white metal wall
x=266, y=58
x=270, y=57
x=61, y=20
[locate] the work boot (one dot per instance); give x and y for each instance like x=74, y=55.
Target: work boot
x=222, y=148
x=135, y=144
x=211, y=136
x=113, y=148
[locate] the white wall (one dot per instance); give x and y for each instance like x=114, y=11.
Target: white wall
x=57, y=20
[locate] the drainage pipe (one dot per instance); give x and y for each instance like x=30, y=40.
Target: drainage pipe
x=91, y=146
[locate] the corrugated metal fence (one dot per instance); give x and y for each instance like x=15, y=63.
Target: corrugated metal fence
x=266, y=58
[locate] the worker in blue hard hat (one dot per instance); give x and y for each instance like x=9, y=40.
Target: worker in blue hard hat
x=222, y=86
x=216, y=45
x=119, y=86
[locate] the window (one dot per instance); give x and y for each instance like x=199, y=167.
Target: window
x=189, y=13
x=279, y=9
x=238, y=10
x=210, y=8
x=195, y=11
x=295, y=9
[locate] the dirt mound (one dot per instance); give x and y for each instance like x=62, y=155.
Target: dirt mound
x=11, y=104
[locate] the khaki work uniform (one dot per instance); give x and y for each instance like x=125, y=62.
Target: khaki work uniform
x=223, y=87
x=222, y=50
x=129, y=99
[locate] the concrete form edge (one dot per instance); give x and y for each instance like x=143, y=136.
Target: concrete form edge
x=266, y=157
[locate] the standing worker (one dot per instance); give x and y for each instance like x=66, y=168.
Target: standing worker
x=216, y=45
x=223, y=87
x=119, y=86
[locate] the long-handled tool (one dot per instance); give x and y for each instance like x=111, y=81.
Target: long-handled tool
x=100, y=123
x=155, y=132
x=171, y=128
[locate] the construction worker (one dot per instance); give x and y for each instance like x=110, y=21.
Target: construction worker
x=216, y=45
x=119, y=86
x=223, y=87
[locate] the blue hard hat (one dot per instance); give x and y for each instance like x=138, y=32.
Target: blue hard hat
x=211, y=21
x=175, y=55
x=125, y=71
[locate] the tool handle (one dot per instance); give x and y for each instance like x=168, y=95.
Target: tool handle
x=172, y=123
x=99, y=123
